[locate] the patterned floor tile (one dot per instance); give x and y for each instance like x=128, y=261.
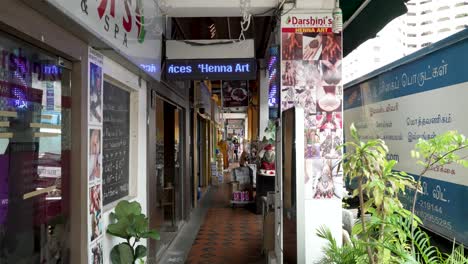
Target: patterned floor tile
x=228, y=235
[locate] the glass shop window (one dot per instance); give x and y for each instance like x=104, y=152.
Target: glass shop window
x=35, y=144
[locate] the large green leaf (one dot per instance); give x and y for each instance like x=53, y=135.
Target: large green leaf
x=122, y=254
x=119, y=228
x=141, y=223
x=125, y=208
x=152, y=234
x=140, y=252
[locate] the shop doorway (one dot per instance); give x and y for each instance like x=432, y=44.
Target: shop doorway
x=203, y=149
x=168, y=184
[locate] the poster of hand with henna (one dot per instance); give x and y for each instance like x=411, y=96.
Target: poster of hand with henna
x=312, y=47
x=332, y=50
x=311, y=79
x=292, y=46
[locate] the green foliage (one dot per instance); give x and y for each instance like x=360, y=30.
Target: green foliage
x=270, y=130
x=346, y=254
x=390, y=233
x=130, y=224
x=378, y=189
x=441, y=150
x=457, y=256
x=122, y=253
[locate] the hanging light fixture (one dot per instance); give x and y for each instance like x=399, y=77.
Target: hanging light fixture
x=212, y=28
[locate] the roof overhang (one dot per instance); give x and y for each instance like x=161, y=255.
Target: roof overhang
x=365, y=18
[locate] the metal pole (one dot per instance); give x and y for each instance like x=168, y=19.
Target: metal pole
x=222, y=111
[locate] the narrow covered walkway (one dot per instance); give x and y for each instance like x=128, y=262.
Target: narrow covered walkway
x=227, y=235
x=217, y=233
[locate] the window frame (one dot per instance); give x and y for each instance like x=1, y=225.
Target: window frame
x=110, y=76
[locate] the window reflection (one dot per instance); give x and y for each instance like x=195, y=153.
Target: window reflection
x=34, y=155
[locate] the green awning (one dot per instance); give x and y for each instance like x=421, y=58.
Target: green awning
x=371, y=19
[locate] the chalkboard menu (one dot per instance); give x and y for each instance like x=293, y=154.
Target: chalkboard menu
x=116, y=141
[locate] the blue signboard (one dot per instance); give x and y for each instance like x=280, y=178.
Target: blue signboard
x=420, y=96
x=211, y=69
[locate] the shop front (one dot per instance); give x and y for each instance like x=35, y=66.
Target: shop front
x=203, y=138
x=35, y=153
x=73, y=137
x=40, y=94
x=168, y=194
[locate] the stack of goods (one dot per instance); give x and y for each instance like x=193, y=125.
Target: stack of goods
x=233, y=187
x=241, y=196
x=243, y=176
x=243, y=181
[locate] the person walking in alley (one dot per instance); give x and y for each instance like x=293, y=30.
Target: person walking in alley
x=236, y=150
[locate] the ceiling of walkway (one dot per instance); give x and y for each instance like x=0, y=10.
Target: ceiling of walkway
x=367, y=22
x=363, y=20
x=196, y=28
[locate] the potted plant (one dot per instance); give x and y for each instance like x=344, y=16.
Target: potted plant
x=387, y=232
x=130, y=224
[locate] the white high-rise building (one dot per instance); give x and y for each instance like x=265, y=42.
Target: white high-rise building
x=384, y=48
x=426, y=22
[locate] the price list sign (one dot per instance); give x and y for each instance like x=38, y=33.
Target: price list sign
x=116, y=141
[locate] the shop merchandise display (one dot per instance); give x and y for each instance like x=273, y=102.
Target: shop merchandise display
x=241, y=186
x=241, y=196
x=267, y=165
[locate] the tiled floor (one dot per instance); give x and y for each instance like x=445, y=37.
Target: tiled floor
x=227, y=235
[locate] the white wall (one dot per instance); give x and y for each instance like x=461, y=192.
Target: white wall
x=138, y=138
x=177, y=49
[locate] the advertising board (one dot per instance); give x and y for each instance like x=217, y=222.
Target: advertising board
x=420, y=99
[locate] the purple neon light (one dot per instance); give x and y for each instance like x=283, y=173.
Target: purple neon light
x=272, y=69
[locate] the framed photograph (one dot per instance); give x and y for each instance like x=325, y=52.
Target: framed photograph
x=95, y=155
x=312, y=46
x=331, y=47
x=331, y=72
x=329, y=141
x=328, y=99
x=288, y=95
x=95, y=226
x=292, y=46
x=293, y=73
x=95, y=94
x=313, y=76
x=96, y=254
x=329, y=120
x=324, y=179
